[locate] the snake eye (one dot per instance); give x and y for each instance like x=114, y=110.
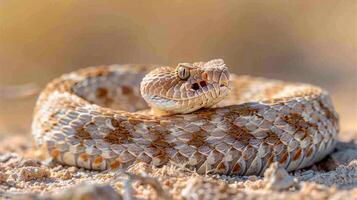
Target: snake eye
x=183, y=72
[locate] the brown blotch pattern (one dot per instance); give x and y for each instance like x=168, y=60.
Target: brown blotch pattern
x=98, y=160
x=297, y=154
x=241, y=133
x=297, y=121
x=160, y=141
x=236, y=168
x=115, y=164
x=114, y=122
x=309, y=151
x=118, y=136
x=126, y=90
x=329, y=114
x=245, y=111
x=197, y=140
x=221, y=168
x=81, y=133
x=204, y=114
x=101, y=92
x=55, y=153
x=84, y=157
x=272, y=138
x=270, y=160
x=103, y=95
x=284, y=158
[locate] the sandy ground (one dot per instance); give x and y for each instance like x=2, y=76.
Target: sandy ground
x=22, y=176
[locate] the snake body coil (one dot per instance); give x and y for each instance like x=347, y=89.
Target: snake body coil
x=96, y=118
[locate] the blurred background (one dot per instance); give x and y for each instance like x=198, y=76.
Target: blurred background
x=306, y=41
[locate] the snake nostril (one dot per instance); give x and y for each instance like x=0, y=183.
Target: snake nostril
x=203, y=84
x=195, y=86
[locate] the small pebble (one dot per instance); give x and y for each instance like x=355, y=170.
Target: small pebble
x=6, y=157
x=11, y=182
x=277, y=178
x=3, y=177
x=31, y=173
x=72, y=169
x=66, y=175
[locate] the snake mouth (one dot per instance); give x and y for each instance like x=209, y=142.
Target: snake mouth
x=224, y=84
x=200, y=90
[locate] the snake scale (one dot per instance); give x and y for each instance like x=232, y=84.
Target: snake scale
x=202, y=118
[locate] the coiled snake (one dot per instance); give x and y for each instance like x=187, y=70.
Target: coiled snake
x=202, y=118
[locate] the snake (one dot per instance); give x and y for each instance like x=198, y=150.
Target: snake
x=197, y=116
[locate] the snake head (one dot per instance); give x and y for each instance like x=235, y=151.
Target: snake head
x=186, y=88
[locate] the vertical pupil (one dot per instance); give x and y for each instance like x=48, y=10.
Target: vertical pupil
x=183, y=73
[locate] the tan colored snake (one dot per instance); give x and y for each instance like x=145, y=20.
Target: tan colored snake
x=202, y=118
